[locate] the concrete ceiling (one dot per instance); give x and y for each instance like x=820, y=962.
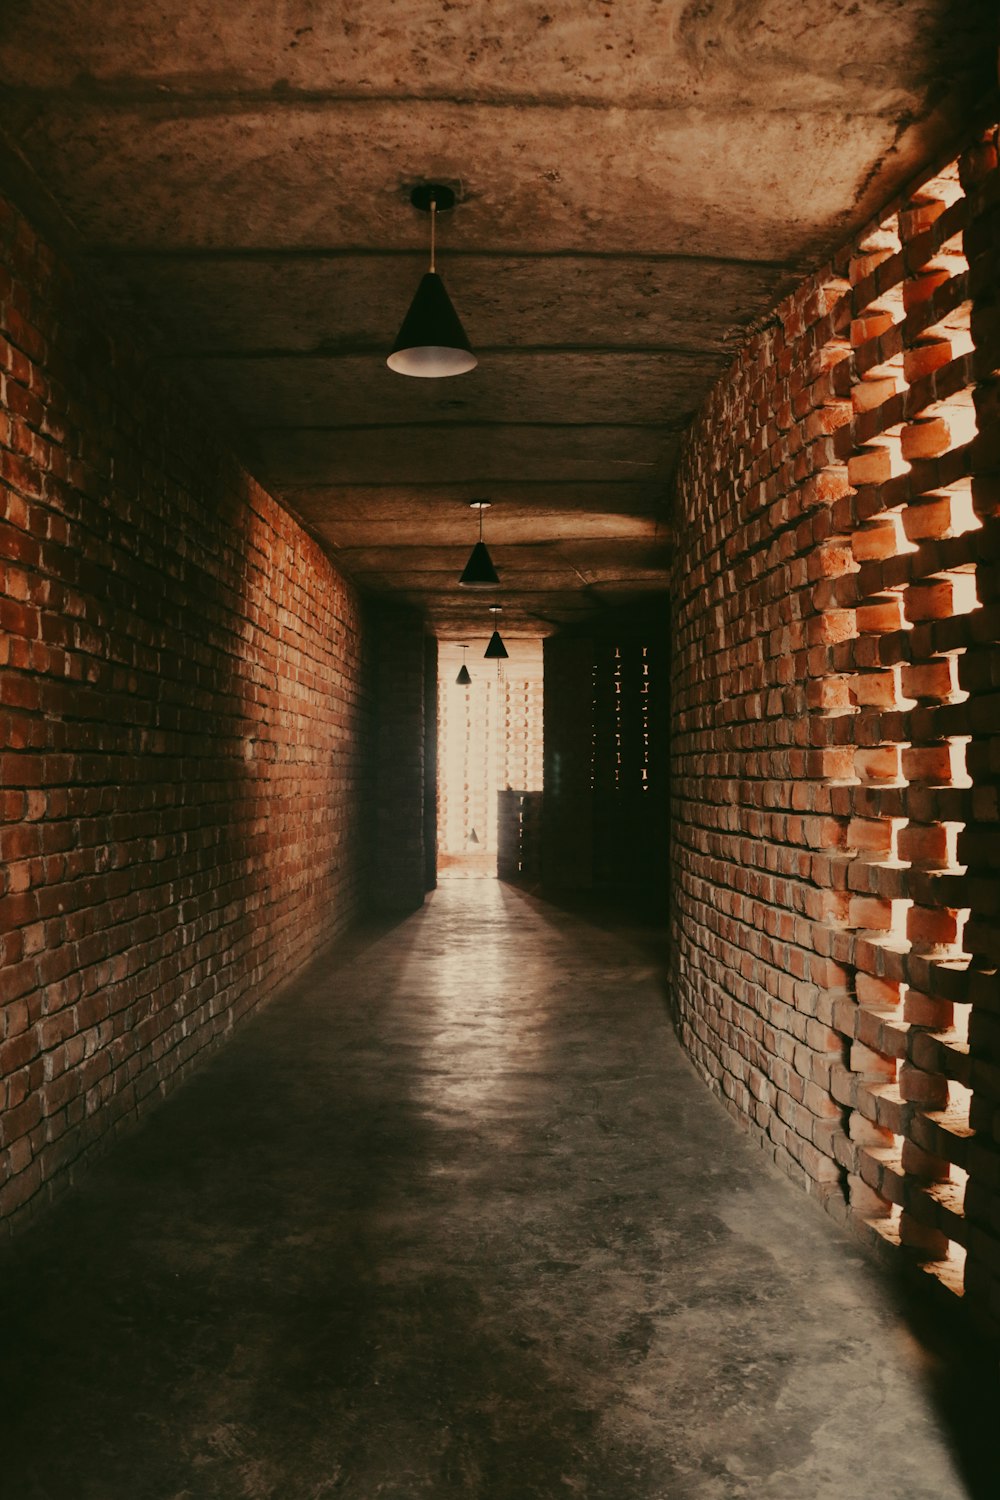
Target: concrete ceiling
x=639, y=181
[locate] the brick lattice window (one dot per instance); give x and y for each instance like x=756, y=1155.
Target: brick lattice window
x=835, y=716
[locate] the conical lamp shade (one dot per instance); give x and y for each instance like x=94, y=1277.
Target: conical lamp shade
x=463, y=679
x=479, y=570
x=432, y=341
x=496, y=650
x=473, y=837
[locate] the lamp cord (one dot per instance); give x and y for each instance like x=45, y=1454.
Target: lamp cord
x=433, y=227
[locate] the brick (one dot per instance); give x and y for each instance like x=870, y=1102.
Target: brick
x=926, y=439
x=933, y=764
x=881, y=764
x=924, y=845
x=934, y=680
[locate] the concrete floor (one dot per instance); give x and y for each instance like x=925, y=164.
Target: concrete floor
x=456, y=1219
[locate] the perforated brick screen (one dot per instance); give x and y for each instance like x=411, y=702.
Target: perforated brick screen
x=835, y=711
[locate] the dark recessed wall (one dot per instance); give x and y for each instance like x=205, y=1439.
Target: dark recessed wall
x=606, y=799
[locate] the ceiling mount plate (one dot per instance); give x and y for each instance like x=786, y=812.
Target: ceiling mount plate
x=426, y=193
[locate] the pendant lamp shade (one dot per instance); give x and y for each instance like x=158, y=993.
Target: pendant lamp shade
x=479, y=570
x=432, y=341
x=463, y=679
x=496, y=650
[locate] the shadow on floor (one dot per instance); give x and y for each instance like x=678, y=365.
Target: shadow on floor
x=961, y=1375
x=638, y=916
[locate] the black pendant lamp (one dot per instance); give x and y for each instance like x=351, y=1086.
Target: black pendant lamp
x=496, y=650
x=432, y=342
x=463, y=679
x=479, y=570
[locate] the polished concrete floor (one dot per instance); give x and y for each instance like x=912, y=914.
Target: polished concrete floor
x=456, y=1220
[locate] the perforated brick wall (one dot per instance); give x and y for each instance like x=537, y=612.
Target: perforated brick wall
x=836, y=706
x=183, y=782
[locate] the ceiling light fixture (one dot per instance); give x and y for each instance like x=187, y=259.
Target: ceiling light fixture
x=432, y=341
x=496, y=650
x=463, y=679
x=479, y=570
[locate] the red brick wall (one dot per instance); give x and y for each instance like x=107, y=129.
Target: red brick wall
x=836, y=706
x=180, y=717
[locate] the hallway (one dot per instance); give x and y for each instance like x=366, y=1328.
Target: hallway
x=439, y=1223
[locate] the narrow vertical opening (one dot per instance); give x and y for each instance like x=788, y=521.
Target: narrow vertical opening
x=489, y=760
